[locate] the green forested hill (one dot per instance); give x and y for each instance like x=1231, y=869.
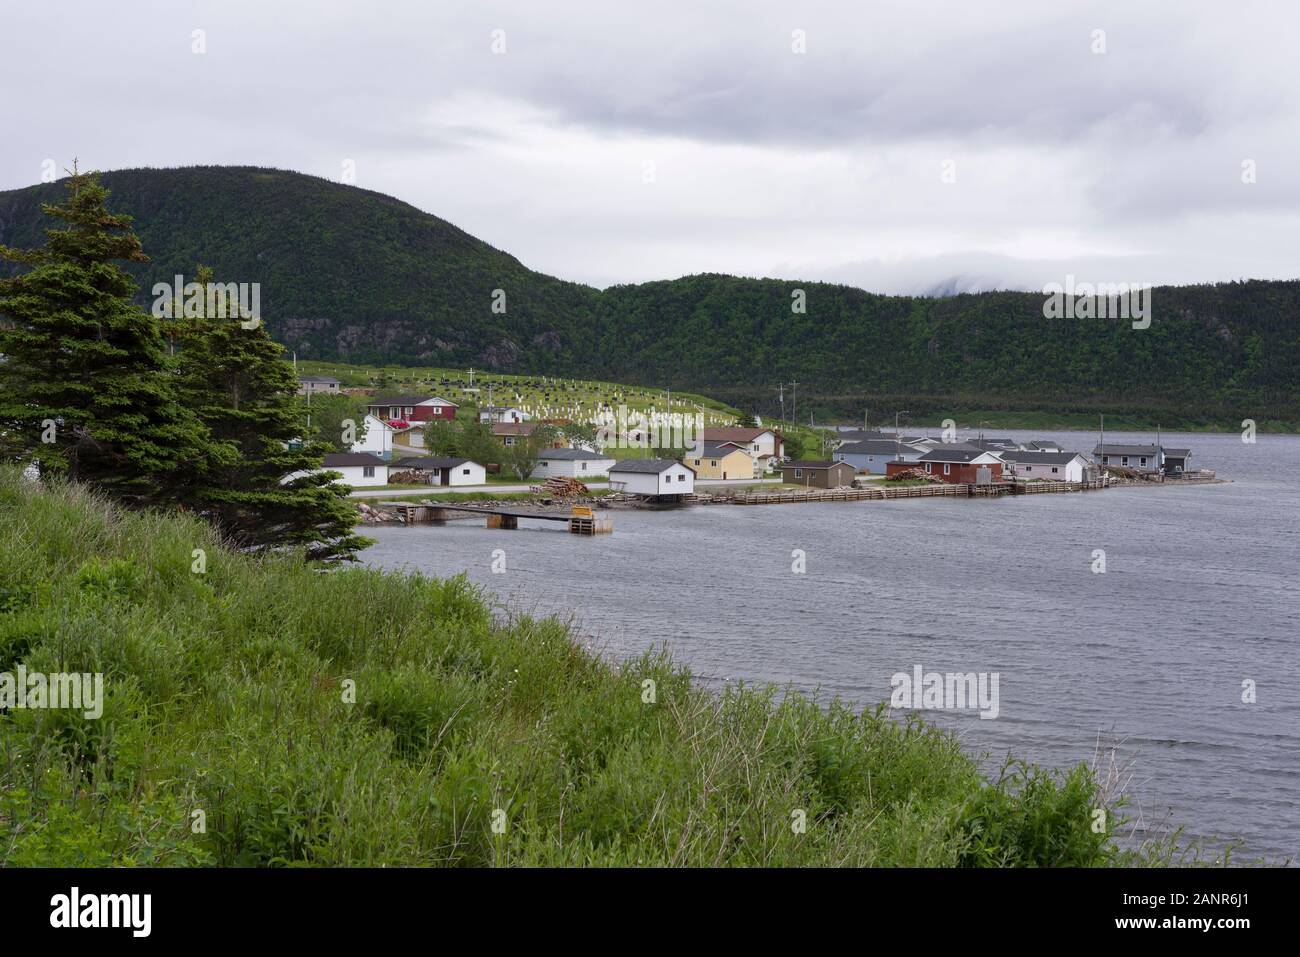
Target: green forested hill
x=345, y=273
x=354, y=275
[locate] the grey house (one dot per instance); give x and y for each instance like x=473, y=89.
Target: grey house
x=873, y=455
x=1145, y=457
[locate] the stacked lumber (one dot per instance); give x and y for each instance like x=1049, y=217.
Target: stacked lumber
x=409, y=477
x=558, y=486
x=913, y=475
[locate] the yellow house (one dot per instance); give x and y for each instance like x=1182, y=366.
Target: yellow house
x=721, y=460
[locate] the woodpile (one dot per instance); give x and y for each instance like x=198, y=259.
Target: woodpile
x=558, y=486
x=912, y=475
x=409, y=477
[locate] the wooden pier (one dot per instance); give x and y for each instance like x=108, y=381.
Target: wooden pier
x=885, y=492
x=581, y=520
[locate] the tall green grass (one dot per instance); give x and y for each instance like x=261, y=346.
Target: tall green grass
x=227, y=693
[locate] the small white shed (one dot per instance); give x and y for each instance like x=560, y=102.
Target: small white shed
x=360, y=469
x=442, y=470
x=652, y=477
x=571, y=463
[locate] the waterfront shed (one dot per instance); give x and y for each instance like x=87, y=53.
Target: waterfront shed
x=818, y=473
x=652, y=477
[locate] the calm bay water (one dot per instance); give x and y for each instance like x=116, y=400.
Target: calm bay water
x=1201, y=592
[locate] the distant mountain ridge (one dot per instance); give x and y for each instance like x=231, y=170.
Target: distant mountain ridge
x=353, y=275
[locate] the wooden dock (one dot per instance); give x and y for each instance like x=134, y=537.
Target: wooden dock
x=885, y=492
x=580, y=520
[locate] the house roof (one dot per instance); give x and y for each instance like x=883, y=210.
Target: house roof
x=859, y=435
x=1042, y=458
x=409, y=400
x=717, y=449
x=733, y=433
x=318, y=378
x=513, y=428
x=341, y=459
x=648, y=466
x=573, y=455
x=814, y=464
x=425, y=463
x=875, y=447
x=993, y=445
x=1043, y=446
x=1126, y=450
x=1178, y=453
x=955, y=452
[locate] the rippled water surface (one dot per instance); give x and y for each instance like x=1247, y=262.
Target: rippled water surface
x=1201, y=592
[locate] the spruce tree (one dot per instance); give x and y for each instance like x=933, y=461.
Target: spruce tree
x=238, y=382
x=85, y=386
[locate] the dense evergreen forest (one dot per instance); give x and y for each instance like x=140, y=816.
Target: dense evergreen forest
x=354, y=275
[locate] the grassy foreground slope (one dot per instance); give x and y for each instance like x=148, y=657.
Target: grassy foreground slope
x=226, y=694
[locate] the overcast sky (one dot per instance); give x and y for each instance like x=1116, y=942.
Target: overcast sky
x=915, y=146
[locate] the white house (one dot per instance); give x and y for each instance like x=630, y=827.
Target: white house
x=571, y=463
x=1054, y=466
x=763, y=445
x=312, y=384
x=441, y=470
x=376, y=437
x=360, y=469
x=503, y=413
x=652, y=477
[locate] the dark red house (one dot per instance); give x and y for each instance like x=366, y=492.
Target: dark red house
x=411, y=408
x=959, y=464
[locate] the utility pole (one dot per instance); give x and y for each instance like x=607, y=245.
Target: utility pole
x=794, y=399
x=898, y=443
x=781, y=393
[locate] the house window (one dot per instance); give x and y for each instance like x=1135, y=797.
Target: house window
x=798, y=473
x=1124, y=460
x=367, y=471
x=394, y=412
x=946, y=468
x=584, y=466
x=713, y=462
x=437, y=410
x=410, y=411
x=464, y=471
x=928, y=468
x=542, y=464
x=1144, y=460
x=509, y=440
x=1055, y=470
